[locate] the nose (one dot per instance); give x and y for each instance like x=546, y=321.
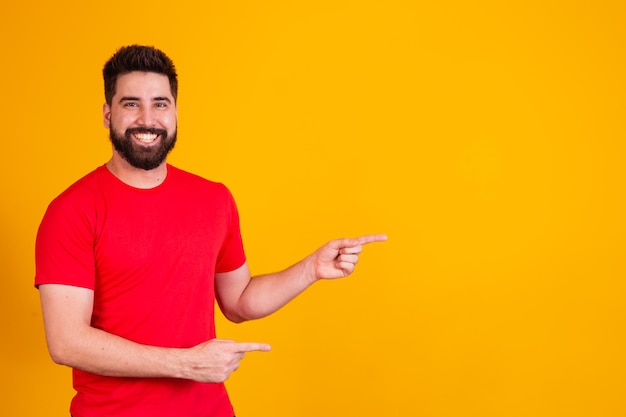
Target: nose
x=146, y=116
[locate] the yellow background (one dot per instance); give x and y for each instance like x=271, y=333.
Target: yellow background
x=486, y=138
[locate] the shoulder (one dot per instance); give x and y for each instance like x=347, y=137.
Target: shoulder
x=192, y=182
x=81, y=194
x=86, y=182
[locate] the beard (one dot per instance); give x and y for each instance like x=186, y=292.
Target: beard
x=143, y=157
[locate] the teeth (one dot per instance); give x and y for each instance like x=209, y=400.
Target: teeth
x=146, y=137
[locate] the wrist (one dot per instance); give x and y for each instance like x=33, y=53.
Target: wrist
x=181, y=363
x=309, y=273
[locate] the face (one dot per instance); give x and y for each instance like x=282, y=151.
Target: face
x=142, y=119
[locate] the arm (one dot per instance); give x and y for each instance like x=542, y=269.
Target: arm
x=72, y=341
x=241, y=297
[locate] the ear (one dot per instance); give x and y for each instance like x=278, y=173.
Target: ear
x=106, y=113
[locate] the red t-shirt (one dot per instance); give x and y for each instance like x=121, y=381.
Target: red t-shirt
x=150, y=257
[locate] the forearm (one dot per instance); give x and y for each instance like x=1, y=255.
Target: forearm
x=102, y=353
x=266, y=294
x=243, y=298
x=72, y=341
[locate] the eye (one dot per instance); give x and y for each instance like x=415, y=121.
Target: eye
x=130, y=104
x=160, y=104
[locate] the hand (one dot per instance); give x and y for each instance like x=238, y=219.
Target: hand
x=215, y=360
x=337, y=258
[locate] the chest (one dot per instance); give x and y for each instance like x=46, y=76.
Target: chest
x=147, y=235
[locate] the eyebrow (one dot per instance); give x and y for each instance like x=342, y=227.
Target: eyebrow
x=132, y=98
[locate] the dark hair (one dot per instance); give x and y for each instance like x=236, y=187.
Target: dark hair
x=137, y=58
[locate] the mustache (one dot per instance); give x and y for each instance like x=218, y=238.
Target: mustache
x=152, y=130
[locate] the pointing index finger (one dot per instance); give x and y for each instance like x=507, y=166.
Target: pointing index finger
x=253, y=347
x=362, y=240
x=356, y=241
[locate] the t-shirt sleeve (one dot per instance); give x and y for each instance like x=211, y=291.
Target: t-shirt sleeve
x=232, y=255
x=64, y=246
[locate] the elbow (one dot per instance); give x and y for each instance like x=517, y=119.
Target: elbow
x=61, y=353
x=240, y=315
x=236, y=320
x=235, y=313
x=235, y=317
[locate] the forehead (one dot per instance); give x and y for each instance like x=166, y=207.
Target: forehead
x=143, y=85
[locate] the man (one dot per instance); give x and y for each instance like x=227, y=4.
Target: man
x=131, y=258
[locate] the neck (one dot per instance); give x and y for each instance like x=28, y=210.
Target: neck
x=136, y=177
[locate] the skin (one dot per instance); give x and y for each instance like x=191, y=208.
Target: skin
x=144, y=100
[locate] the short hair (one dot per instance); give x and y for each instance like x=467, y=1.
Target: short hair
x=137, y=58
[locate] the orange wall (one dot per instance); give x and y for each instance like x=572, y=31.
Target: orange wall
x=486, y=138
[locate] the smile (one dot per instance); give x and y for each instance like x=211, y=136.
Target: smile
x=146, y=137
